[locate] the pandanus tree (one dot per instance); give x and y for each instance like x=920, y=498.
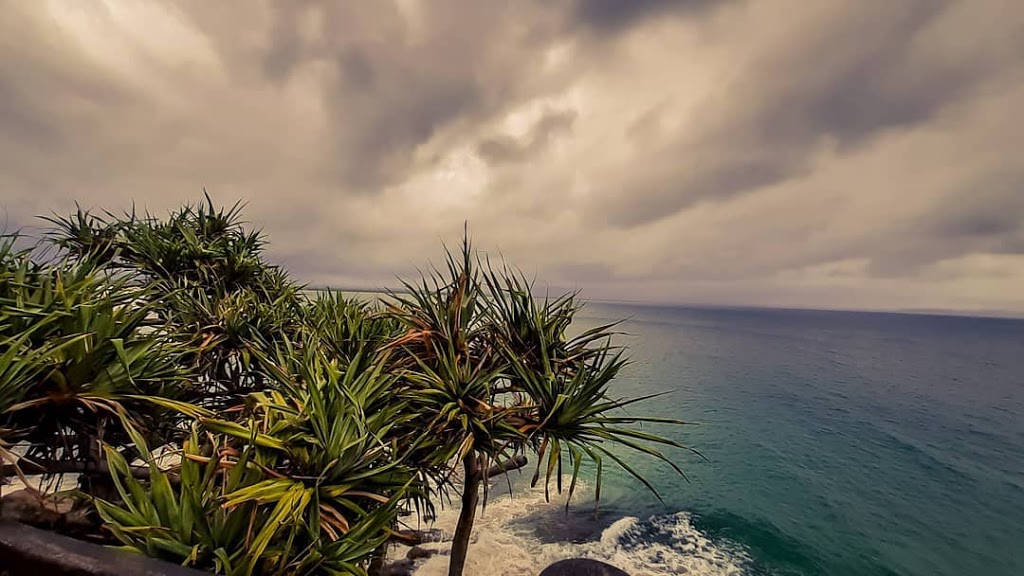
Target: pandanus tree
x=297, y=458
x=492, y=372
x=130, y=308
x=110, y=313
x=214, y=286
x=80, y=348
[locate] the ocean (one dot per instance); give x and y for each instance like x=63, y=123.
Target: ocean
x=836, y=443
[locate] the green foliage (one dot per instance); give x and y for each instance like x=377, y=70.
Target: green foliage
x=212, y=286
x=345, y=328
x=308, y=482
x=197, y=246
x=80, y=346
x=492, y=372
x=223, y=511
x=305, y=422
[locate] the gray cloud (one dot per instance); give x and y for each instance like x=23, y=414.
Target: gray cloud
x=778, y=152
x=850, y=75
x=985, y=217
x=502, y=148
x=395, y=81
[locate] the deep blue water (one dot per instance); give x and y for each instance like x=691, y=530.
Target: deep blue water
x=836, y=442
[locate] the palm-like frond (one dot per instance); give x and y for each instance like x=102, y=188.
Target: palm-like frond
x=226, y=514
x=87, y=345
x=565, y=381
x=313, y=469
x=346, y=328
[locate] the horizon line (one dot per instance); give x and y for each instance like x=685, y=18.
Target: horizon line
x=998, y=314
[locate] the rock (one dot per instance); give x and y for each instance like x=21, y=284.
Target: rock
x=64, y=515
x=416, y=537
x=581, y=567
x=415, y=553
x=28, y=508
x=400, y=568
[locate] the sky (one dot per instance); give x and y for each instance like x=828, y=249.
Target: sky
x=826, y=154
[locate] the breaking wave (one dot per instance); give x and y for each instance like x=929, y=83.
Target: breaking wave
x=522, y=534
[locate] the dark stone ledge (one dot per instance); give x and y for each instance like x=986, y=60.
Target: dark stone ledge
x=27, y=551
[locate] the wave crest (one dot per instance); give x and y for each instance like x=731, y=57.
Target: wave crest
x=512, y=538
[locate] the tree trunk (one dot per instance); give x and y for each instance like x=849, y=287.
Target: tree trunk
x=470, y=496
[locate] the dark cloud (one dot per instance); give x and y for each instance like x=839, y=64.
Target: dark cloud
x=985, y=223
x=832, y=86
x=989, y=207
x=504, y=149
x=985, y=216
x=610, y=16
x=397, y=81
x=882, y=84
x=286, y=48
x=356, y=69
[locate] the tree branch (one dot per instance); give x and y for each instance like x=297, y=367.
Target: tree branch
x=514, y=463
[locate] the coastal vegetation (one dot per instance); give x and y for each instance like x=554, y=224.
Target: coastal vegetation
x=220, y=416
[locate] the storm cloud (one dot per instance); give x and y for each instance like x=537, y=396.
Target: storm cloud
x=783, y=153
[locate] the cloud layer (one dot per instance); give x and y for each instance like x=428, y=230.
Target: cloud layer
x=825, y=154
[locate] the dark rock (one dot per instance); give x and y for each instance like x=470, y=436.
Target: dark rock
x=581, y=567
x=400, y=568
x=28, y=508
x=417, y=537
x=65, y=515
x=415, y=553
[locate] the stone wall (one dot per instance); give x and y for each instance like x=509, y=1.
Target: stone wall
x=27, y=551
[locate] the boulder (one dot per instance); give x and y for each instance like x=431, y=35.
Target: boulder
x=28, y=508
x=416, y=552
x=417, y=537
x=400, y=568
x=65, y=515
x=581, y=567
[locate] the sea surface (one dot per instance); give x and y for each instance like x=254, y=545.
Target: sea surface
x=836, y=443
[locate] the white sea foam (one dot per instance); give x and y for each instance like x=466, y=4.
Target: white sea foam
x=514, y=537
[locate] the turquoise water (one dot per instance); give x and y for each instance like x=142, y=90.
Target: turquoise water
x=836, y=443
